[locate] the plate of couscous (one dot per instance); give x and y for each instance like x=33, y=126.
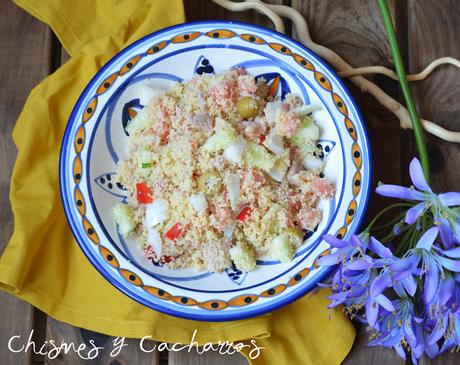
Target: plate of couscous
x=203, y=164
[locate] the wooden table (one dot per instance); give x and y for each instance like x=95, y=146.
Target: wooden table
x=426, y=29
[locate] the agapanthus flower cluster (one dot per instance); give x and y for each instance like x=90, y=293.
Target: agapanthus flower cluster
x=409, y=296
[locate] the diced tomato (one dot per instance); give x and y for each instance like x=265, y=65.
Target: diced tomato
x=295, y=206
x=174, y=232
x=262, y=138
x=244, y=214
x=168, y=259
x=144, y=193
x=164, y=137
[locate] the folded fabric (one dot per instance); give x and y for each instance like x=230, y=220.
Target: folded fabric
x=43, y=265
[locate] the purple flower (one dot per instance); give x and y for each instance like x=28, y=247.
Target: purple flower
x=443, y=316
x=399, y=327
x=345, y=249
x=425, y=260
x=412, y=301
x=440, y=204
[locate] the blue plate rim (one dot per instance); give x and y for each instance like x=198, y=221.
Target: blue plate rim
x=247, y=313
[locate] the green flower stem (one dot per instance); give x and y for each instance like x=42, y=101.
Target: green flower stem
x=418, y=131
x=392, y=222
x=404, y=243
x=383, y=211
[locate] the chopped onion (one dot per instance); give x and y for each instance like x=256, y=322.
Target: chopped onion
x=279, y=170
x=232, y=183
x=312, y=163
x=154, y=239
x=198, y=202
x=228, y=232
x=156, y=212
x=202, y=120
x=274, y=142
x=270, y=110
x=306, y=109
x=234, y=152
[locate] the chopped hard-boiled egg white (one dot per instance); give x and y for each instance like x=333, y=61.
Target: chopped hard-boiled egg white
x=312, y=163
x=280, y=168
x=234, y=152
x=156, y=212
x=232, y=183
x=228, y=232
x=271, y=109
x=274, y=142
x=198, y=202
x=306, y=109
x=154, y=239
x=147, y=93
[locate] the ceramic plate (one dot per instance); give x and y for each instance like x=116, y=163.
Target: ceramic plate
x=94, y=142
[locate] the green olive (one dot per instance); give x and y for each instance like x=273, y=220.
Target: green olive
x=210, y=182
x=295, y=235
x=247, y=107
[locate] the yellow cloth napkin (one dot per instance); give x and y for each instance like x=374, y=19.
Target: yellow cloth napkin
x=44, y=266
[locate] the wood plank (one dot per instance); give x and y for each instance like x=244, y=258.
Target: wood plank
x=434, y=32
x=361, y=354
x=207, y=358
x=207, y=10
x=129, y=354
x=353, y=29
x=25, y=60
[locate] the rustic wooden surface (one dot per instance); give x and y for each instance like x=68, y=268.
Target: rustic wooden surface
x=426, y=29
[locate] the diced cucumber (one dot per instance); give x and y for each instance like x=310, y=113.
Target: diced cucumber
x=281, y=249
x=280, y=168
x=243, y=257
x=124, y=217
x=141, y=121
x=258, y=156
x=306, y=135
x=295, y=235
x=220, y=140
